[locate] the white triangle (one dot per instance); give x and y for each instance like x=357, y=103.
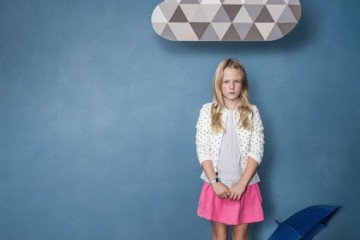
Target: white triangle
x=157, y=16
x=200, y=15
x=189, y=9
x=265, y=29
x=221, y=28
x=276, y=11
x=210, y=10
x=243, y=16
x=183, y=31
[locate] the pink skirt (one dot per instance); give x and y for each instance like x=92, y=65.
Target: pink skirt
x=247, y=210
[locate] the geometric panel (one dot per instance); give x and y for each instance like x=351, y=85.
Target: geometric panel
x=225, y=20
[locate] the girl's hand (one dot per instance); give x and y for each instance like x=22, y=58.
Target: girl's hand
x=221, y=190
x=236, y=191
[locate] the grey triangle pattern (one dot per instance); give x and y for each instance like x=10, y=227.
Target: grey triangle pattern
x=243, y=16
x=254, y=10
x=231, y=34
x=277, y=2
x=168, y=33
x=199, y=28
x=178, y=16
x=254, y=34
x=168, y=9
x=296, y=10
x=210, y=34
x=265, y=29
x=221, y=28
x=190, y=1
x=287, y=16
x=200, y=16
x=221, y=16
x=242, y=29
x=225, y=20
x=275, y=33
x=264, y=16
x=159, y=27
x=285, y=28
x=189, y=10
x=232, y=10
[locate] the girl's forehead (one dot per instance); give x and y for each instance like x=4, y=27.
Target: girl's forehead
x=233, y=73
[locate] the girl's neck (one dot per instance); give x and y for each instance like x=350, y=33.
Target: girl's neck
x=231, y=105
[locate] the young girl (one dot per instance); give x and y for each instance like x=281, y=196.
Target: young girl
x=230, y=146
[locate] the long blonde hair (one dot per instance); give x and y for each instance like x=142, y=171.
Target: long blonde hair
x=217, y=107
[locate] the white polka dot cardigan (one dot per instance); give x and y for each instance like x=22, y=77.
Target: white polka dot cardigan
x=251, y=143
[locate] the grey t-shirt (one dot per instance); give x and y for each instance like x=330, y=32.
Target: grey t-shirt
x=229, y=165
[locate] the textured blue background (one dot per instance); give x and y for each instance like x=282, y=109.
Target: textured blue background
x=97, y=118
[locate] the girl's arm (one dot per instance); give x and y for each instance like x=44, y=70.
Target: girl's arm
x=255, y=156
x=203, y=151
x=219, y=188
x=238, y=189
x=257, y=140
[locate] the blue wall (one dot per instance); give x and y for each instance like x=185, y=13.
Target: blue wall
x=97, y=118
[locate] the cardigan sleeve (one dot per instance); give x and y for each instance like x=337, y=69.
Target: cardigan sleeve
x=257, y=137
x=202, y=138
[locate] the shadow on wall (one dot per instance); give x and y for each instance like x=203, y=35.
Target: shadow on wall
x=301, y=36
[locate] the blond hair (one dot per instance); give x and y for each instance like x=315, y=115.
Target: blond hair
x=243, y=106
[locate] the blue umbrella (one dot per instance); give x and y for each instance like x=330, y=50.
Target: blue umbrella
x=304, y=224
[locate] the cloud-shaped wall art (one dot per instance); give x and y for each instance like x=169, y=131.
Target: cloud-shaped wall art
x=225, y=20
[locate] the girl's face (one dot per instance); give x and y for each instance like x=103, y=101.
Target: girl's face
x=231, y=86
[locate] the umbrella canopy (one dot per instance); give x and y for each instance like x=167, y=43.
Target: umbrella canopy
x=304, y=224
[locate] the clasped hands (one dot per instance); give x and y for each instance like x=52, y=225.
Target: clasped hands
x=234, y=193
